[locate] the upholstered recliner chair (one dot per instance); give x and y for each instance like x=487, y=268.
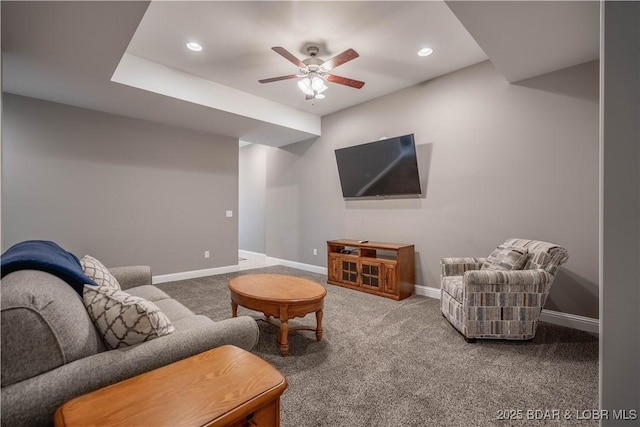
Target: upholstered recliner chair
x=500, y=297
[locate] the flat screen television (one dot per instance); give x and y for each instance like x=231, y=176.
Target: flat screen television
x=388, y=167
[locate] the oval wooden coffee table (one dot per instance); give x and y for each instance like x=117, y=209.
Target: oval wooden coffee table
x=282, y=297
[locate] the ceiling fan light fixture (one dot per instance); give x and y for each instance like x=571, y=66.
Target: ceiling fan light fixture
x=425, y=51
x=317, y=83
x=305, y=86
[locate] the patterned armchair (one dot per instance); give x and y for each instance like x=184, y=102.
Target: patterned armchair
x=483, y=298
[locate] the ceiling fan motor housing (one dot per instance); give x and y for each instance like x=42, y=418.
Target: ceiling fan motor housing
x=313, y=50
x=313, y=61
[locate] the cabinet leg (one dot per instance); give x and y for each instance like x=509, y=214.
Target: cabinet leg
x=319, y=325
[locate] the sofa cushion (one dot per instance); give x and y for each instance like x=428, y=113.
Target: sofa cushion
x=148, y=292
x=506, y=257
x=124, y=320
x=44, y=325
x=173, y=309
x=454, y=286
x=97, y=272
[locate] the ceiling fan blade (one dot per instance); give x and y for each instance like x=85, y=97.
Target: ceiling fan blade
x=288, y=56
x=277, y=79
x=340, y=59
x=345, y=81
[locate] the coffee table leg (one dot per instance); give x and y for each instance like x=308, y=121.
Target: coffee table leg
x=319, y=325
x=234, y=309
x=283, y=338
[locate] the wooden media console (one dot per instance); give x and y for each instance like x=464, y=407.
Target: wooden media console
x=385, y=269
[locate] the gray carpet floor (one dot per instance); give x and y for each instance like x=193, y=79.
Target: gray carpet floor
x=388, y=363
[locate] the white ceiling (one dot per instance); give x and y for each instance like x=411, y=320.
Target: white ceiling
x=529, y=38
x=237, y=38
x=127, y=58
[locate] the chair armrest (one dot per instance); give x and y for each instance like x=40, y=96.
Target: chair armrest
x=132, y=276
x=34, y=401
x=498, y=281
x=457, y=266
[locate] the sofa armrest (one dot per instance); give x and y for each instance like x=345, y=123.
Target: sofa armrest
x=34, y=401
x=498, y=281
x=458, y=266
x=132, y=276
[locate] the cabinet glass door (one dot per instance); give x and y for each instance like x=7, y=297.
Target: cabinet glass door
x=350, y=272
x=371, y=275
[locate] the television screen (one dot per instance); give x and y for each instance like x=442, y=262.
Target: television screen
x=388, y=167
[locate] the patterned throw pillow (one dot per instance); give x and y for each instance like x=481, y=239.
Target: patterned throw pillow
x=537, y=260
x=506, y=258
x=97, y=272
x=124, y=320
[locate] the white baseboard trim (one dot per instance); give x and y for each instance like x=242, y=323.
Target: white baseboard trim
x=299, y=265
x=587, y=324
x=427, y=291
x=250, y=255
x=194, y=274
x=574, y=321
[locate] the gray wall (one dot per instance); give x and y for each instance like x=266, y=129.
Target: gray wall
x=126, y=191
x=497, y=161
x=620, y=227
x=253, y=174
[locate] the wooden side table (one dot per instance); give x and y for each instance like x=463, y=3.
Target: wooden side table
x=226, y=386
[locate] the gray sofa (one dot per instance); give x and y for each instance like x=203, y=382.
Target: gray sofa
x=51, y=351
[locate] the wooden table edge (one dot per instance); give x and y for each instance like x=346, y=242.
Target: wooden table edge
x=279, y=300
x=236, y=414
x=233, y=414
x=321, y=295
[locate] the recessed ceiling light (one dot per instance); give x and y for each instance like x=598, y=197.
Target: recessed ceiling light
x=425, y=52
x=194, y=46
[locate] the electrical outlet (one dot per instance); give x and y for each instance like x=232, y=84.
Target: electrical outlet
x=206, y=254
x=315, y=251
x=229, y=214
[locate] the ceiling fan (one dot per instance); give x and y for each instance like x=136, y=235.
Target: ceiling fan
x=314, y=71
